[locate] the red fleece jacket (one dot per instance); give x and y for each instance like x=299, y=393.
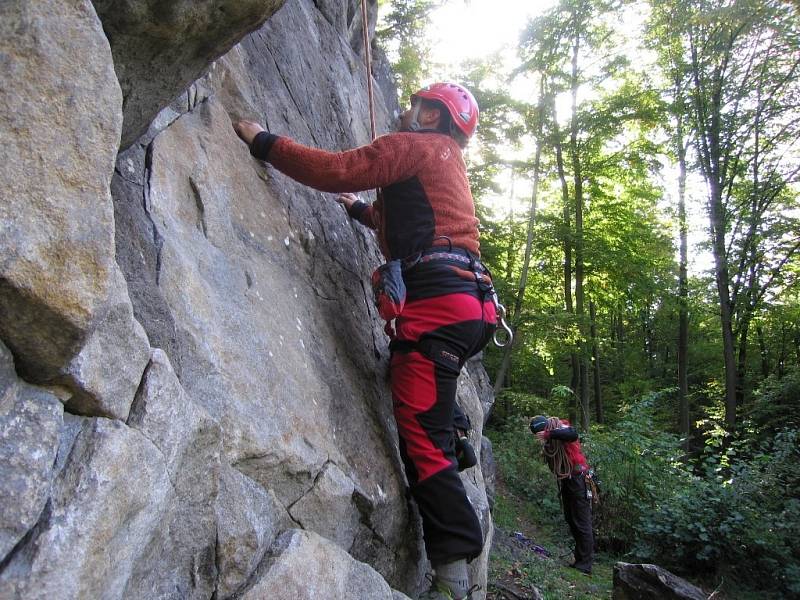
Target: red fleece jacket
x=426, y=195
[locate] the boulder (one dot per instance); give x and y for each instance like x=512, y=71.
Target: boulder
x=651, y=582
x=328, y=507
x=248, y=520
x=304, y=565
x=30, y=421
x=161, y=47
x=107, y=370
x=180, y=557
x=61, y=112
x=103, y=510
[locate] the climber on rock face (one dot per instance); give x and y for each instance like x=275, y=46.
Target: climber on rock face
x=433, y=287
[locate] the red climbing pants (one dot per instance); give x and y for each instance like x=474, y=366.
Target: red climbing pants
x=436, y=334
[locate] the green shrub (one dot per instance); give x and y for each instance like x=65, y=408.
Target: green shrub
x=636, y=465
x=734, y=512
x=524, y=471
x=741, y=520
x=513, y=406
x=777, y=403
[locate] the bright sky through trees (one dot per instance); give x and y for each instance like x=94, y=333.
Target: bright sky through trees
x=469, y=30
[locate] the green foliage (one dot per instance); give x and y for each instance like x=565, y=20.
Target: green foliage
x=511, y=404
x=777, y=403
x=402, y=33
x=741, y=507
x=735, y=510
x=524, y=471
x=742, y=522
x=635, y=464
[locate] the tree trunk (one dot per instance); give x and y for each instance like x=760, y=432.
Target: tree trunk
x=708, y=113
x=516, y=311
x=717, y=212
x=511, y=248
x=621, y=373
x=683, y=290
x=598, y=399
x=577, y=178
x=782, y=353
x=762, y=349
x=567, y=244
x=741, y=362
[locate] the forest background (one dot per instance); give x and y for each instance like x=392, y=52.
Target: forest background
x=637, y=178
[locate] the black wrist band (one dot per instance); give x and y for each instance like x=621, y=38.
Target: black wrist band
x=357, y=208
x=262, y=144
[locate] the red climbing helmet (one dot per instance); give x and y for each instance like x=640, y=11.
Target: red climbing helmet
x=458, y=100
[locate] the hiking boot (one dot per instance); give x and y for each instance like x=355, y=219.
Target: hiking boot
x=439, y=591
x=583, y=570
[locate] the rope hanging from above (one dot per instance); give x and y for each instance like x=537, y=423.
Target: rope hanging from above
x=368, y=62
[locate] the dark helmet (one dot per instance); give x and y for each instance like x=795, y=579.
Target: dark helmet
x=538, y=423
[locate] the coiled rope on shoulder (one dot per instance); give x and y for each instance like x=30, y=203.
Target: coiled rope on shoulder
x=555, y=452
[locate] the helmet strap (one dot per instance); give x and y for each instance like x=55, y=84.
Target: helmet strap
x=458, y=135
x=414, y=125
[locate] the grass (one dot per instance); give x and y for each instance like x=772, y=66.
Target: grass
x=526, y=569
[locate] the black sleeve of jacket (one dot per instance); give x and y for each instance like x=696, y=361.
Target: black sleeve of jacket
x=262, y=144
x=564, y=434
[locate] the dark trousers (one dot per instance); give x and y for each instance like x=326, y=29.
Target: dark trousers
x=578, y=513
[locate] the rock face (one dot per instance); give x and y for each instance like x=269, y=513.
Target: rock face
x=306, y=566
x=651, y=582
x=209, y=331
x=161, y=47
x=60, y=126
x=30, y=421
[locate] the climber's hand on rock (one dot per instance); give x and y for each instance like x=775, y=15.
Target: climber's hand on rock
x=347, y=199
x=247, y=130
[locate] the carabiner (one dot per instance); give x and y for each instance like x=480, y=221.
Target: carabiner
x=503, y=335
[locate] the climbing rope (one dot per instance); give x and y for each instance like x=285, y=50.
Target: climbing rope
x=368, y=61
x=555, y=452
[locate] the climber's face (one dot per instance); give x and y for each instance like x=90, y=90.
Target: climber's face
x=407, y=117
x=419, y=116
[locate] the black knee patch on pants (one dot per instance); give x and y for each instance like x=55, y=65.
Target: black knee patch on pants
x=449, y=524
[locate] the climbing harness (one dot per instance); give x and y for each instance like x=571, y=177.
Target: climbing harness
x=478, y=271
x=503, y=335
